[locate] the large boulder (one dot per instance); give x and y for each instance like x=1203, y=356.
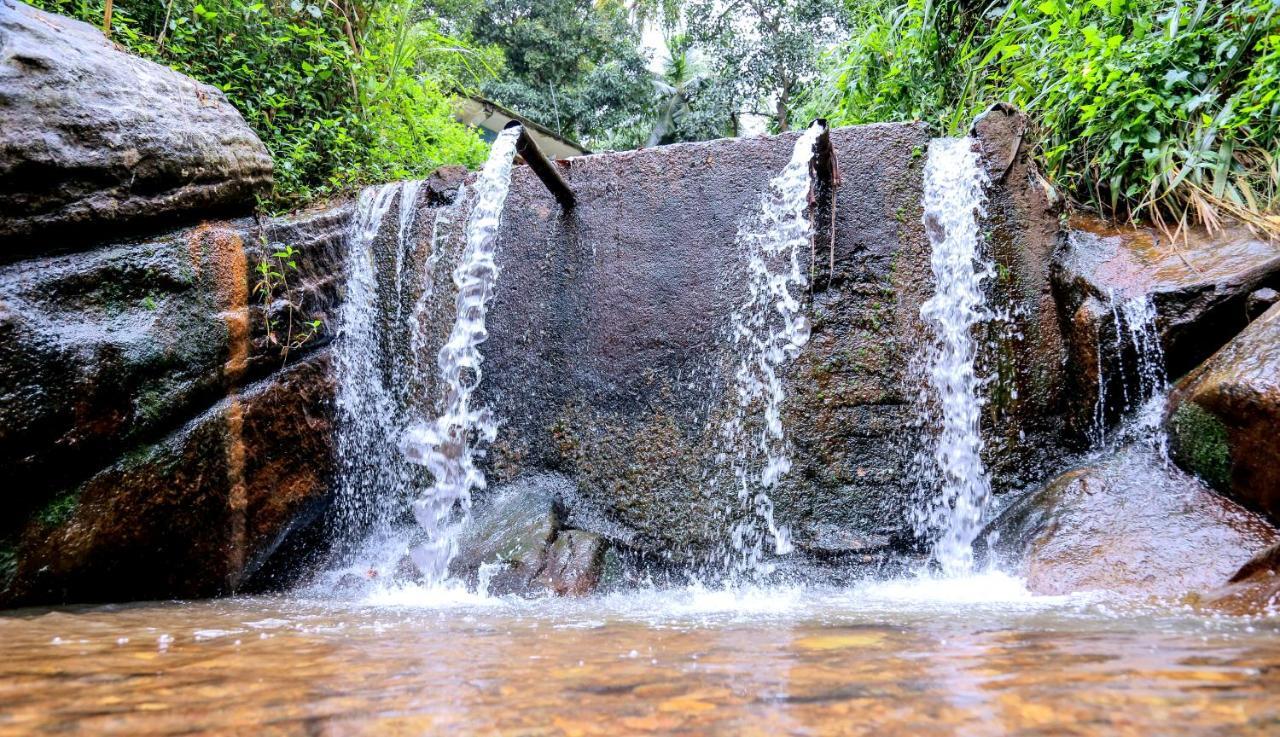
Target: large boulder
x=194, y=514
x=1131, y=524
x=1197, y=288
x=1223, y=417
x=94, y=140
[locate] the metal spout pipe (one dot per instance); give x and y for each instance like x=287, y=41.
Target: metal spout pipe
x=546, y=171
x=825, y=173
x=825, y=166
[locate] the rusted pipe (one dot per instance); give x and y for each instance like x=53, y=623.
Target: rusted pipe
x=545, y=170
x=825, y=174
x=825, y=166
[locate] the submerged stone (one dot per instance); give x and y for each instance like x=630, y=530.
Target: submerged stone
x=504, y=546
x=575, y=563
x=1254, y=590
x=1131, y=524
x=94, y=140
x=1223, y=417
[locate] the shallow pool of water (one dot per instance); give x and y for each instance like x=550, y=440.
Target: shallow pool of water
x=970, y=657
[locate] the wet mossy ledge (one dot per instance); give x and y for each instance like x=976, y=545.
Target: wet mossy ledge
x=168, y=411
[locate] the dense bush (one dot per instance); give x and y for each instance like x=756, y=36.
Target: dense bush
x=342, y=94
x=1164, y=109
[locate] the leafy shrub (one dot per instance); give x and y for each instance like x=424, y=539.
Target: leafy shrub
x=1160, y=109
x=342, y=93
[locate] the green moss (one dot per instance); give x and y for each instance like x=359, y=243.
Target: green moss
x=8, y=564
x=1201, y=445
x=60, y=509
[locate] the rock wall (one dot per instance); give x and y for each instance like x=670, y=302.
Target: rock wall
x=157, y=439
x=162, y=443
x=608, y=359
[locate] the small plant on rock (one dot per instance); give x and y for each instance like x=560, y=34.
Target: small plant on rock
x=273, y=280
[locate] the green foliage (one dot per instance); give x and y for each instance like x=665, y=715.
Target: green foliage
x=575, y=66
x=342, y=93
x=273, y=281
x=1163, y=109
x=765, y=50
x=8, y=564
x=60, y=509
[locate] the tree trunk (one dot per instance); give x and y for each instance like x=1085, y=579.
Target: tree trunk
x=784, y=96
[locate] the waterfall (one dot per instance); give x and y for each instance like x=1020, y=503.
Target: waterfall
x=960, y=489
x=367, y=367
x=1136, y=343
x=767, y=329
x=446, y=445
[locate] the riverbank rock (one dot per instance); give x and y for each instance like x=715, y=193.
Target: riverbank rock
x=1198, y=287
x=95, y=141
x=1223, y=417
x=125, y=371
x=518, y=543
x=114, y=347
x=194, y=514
x=1254, y=590
x=1129, y=524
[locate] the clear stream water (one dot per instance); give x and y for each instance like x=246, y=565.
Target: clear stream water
x=966, y=656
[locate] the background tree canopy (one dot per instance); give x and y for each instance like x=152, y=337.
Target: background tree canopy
x=1160, y=109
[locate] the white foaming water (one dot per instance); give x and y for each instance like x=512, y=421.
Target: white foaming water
x=371, y=471
x=768, y=328
x=1136, y=343
x=958, y=488
x=446, y=446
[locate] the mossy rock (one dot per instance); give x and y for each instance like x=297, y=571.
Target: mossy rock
x=1200, y=444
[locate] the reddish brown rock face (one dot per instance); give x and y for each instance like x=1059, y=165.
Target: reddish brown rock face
x=138, y=377
x=1129, y=525
x=1223, y=417
x=1199, y=285
x=195, y=514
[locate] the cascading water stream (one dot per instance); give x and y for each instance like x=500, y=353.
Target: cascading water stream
x=954, y=201
x=369, y=410
x=1136, y=343
x=446, y=446
x=768, y=328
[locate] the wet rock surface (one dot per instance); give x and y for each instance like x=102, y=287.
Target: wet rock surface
x=1223, y=417
x=1201, y=287
x=194, y=514
x=107, y=349
x=1022, y=350
x=1131, y=524
x=94, y=140
x=518, y=542
x=1254, y=590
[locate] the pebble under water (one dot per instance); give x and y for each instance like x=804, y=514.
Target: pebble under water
x=975, y=656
